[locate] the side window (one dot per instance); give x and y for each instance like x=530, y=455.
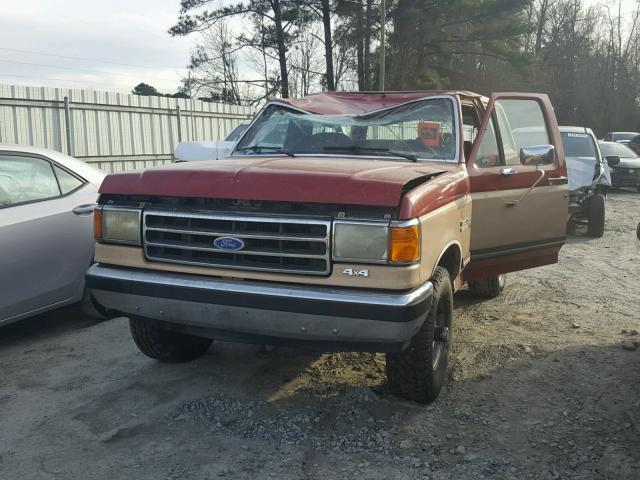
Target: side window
x=522, y=125
x=469, y=121
x=68, y=183
x=488, y=151
x=26, y=179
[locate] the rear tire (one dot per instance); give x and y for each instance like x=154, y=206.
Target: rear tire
x=489, y=287
x=418, y=373
x=596, y=211
x=166, y=345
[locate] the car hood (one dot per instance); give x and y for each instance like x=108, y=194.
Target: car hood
x=628, y=163
x=349, y=181
x=581, y=170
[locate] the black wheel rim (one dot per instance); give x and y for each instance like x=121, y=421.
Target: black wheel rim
x=441, y=333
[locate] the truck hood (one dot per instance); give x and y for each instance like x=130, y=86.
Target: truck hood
x=582, y=173
x=348, y=181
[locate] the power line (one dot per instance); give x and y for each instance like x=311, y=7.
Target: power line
x=64, y=80
x=68, y=57
x=102, y=72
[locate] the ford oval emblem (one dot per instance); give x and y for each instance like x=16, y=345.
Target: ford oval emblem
x=228, y=243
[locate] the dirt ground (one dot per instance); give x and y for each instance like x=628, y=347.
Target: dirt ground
x=540, y=388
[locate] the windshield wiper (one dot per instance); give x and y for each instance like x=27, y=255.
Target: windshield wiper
x=260, y=148
x=358, y=148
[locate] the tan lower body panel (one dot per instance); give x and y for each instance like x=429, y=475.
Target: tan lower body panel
x=446, y=226
x=441, y=228
x=380, y=276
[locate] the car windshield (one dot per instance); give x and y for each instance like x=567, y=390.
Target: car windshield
x=617, y=149
x=416, y=131
x=624, y=135
x=578, y=144
x=236, y=133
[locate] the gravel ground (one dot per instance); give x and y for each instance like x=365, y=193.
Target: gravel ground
x=544, y=384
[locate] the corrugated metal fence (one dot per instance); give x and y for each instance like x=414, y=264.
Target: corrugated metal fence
x=112, y=131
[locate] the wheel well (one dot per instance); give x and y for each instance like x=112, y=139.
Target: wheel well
x=451, y=259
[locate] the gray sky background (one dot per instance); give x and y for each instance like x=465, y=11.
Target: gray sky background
x=111, y=33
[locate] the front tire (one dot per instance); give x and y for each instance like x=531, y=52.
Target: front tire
x=489, y=287
x=418, y=373
x=596, y=216
x=166, y=345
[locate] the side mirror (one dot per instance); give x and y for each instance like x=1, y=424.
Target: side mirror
x=538, y=155
x=613, y=160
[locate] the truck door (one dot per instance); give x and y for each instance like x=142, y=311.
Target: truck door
x=518, y=185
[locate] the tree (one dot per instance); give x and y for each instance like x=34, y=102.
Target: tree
x=145, y=90
x=432, y=41
x=279, y=18
x=214, y=65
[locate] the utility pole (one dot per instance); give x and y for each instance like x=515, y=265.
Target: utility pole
x=383, y=31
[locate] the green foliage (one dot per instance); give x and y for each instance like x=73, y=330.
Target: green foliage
x=147, y=90
x=435, y=44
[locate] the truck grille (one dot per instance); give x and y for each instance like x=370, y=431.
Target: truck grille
x=274, y=244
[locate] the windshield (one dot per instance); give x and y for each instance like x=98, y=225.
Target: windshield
x=624, y=135
x=617, y=149
x=236, y=133
x=415, y=131
x=577, y=144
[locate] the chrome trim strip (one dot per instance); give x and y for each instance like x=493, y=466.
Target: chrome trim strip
x=330, y=294
x=235, y=252
x=238, y=235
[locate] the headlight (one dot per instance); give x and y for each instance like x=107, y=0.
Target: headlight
x=372, y=242
x=360, y=241
x=117, y=225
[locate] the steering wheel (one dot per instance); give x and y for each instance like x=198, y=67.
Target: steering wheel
x=419, y=146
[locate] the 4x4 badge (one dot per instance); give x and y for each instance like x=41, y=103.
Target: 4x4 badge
x=356, y=273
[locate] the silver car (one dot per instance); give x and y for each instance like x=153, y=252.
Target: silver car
x=46, y=233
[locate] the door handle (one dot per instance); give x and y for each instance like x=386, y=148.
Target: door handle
x=558, y=180
x=84, y=209
x=508, y=171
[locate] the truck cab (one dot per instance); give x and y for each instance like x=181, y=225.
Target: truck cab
x=341, y=221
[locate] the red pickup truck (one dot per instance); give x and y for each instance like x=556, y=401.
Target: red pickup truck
x=342, y=221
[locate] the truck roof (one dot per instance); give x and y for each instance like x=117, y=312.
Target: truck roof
x=356, y=103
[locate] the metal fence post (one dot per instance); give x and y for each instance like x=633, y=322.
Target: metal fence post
x=67, y=124
x=179, y=123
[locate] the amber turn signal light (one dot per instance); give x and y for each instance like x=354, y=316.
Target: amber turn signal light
x=404, y=244
x=97, y=223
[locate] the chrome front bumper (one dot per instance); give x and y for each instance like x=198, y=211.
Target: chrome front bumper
x=264, y=312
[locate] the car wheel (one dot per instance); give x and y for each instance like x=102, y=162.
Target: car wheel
x=166, y=345
x=418, y=373
x=596, y=215
x=489, y=287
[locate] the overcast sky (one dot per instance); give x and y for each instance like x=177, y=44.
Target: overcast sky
x=107, y=33
x=102, y=31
